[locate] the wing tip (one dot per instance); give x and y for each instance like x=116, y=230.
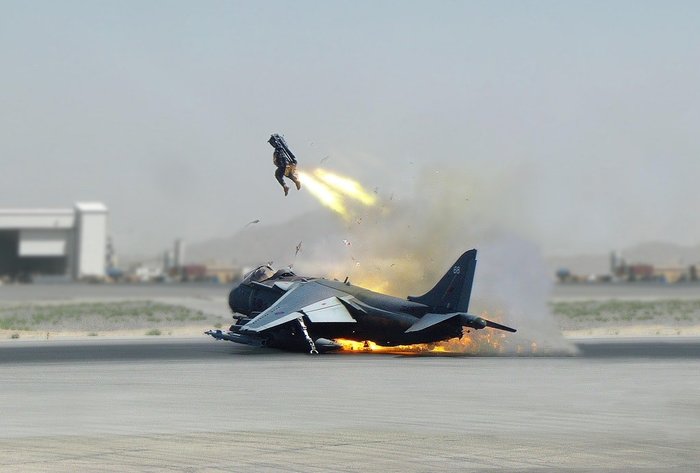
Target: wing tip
x=499, y=326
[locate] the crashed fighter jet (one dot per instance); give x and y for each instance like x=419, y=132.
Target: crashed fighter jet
x=286, y=311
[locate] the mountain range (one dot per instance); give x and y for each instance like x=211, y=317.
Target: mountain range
x=257, y=242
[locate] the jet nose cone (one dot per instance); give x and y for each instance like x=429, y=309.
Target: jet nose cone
x=234, y=298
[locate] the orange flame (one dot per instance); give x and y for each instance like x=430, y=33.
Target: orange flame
x=481, y=342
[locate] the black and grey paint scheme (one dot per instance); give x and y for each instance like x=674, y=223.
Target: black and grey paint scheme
x=290, y=312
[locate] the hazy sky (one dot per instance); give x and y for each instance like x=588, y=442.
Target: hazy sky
x=585, y=116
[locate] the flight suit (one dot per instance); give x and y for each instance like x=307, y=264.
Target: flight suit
x=285, y=169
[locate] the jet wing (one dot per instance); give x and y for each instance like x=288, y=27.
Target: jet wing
x=428, y=320
x=328, y=310
x=321, y=304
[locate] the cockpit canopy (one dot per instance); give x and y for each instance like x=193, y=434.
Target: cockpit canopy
x=259, y=274
x=283, y=273
x=265, y=272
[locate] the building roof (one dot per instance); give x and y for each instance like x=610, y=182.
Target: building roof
x=38, y=211
x=36, y=218
x=91, y=207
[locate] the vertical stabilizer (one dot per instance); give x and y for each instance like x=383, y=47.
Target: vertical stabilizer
x=452, y=292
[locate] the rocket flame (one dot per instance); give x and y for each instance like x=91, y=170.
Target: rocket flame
x=327, y=196
x=333, y=191
x=346, y=186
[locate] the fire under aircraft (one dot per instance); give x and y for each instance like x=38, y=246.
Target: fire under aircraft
x=290, y=312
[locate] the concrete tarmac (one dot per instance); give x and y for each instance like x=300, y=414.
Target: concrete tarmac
x=199, y=405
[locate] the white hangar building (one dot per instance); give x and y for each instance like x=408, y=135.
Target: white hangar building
x=61, y=242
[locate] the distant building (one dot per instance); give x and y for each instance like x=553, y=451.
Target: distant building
x=618, y=266
x=111, y=258
x=563, y=275
x=167, y=261
x=672, y=274
x=145, y=273
x=179, y=253
x=57, y=242
x=614, y=261
x=640, y=272
x=222, y=273
x=194, y=272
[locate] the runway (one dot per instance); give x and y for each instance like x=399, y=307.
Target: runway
x=199, y=405
x=205, y=348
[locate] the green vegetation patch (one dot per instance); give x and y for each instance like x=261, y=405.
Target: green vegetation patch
x=586, y=314
x=100, y=316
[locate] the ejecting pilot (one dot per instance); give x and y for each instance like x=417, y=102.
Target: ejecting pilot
x=285, y=161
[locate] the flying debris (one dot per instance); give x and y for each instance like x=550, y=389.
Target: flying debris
x=325, y=158
x=347, y=243
x=252, y=223
x=290, y=312
x=298, y=250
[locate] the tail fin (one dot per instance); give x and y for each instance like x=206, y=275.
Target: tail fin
x=452, y=292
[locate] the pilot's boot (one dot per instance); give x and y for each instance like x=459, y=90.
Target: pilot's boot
x=286, y=190
x=295, y=179
x=291, y=173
